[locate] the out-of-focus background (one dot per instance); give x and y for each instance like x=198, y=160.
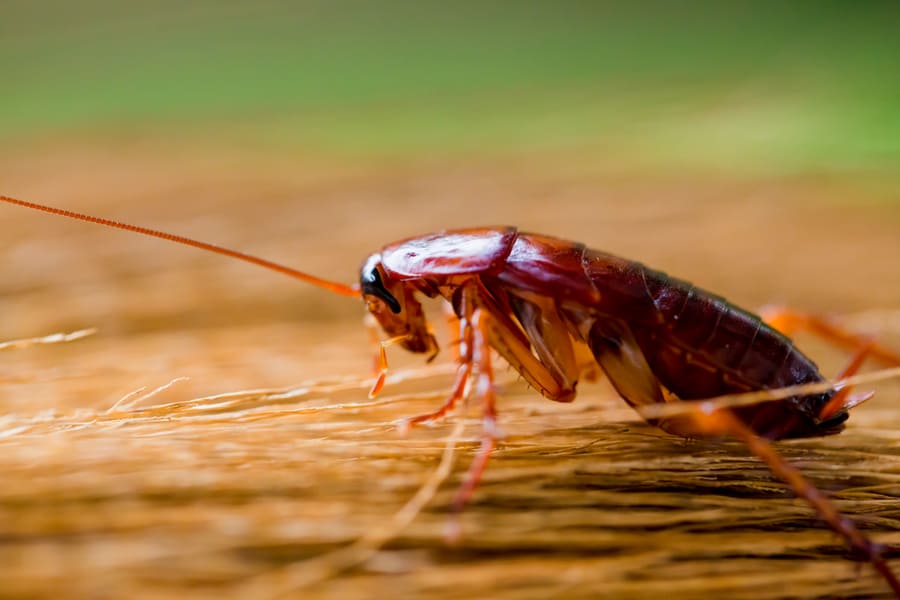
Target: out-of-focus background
x=753, y=149
x=768, y=88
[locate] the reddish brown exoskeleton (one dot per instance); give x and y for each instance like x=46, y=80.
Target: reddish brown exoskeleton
x=553, y=308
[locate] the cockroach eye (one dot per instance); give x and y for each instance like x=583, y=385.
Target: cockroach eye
x=371, y=284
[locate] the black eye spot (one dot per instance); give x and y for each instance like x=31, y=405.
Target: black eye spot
x=371, y=284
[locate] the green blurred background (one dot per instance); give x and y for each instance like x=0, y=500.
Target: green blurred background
x=761, y=87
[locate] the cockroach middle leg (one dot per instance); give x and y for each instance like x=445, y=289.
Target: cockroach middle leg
x=487, y=328
x=455, y=330
x=483, y=327
x=724, y=422
x=484, y=391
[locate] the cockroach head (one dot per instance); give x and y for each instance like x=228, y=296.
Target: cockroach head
x=394, y=306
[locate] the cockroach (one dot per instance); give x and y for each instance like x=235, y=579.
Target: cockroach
x=554, y=309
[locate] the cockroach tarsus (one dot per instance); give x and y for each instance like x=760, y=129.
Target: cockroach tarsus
x=554, y=309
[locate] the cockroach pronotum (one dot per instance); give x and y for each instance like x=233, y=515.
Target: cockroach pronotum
x=553, y=309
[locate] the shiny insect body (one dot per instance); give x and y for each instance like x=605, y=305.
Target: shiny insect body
x=551, y=302
x=556, y=310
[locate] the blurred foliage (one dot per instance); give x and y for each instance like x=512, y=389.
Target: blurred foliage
x=763, y=85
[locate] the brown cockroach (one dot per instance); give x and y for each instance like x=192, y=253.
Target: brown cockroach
x=545, y=304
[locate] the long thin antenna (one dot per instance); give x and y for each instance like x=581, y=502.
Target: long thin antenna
x=332, y=286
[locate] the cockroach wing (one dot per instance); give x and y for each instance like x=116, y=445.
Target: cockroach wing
x=448, y=253
x=551, y=267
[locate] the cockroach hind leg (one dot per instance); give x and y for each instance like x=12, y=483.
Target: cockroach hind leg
x=840, y=401
x=789, y=321
x=724, y=422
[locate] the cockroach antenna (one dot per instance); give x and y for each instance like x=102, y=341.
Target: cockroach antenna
x=332, y=286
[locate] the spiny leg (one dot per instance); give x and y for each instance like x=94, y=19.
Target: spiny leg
x=492, y=328
x=554, y=381
x=474, y=349
x=624, y=364
x=489, y=328
x=484, y=326
x=724, y=422
x=484, y=390
x=549, y=338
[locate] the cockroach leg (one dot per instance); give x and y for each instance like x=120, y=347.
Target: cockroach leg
x=553, y=378
x=464, y=337
x=373, y=330
x=477, y=329
x=456, y=392
x=789, y=321
x=550, y=339
x=857, y=399
x=490, y=328
x=840, y=399
x=484, y=391
x=461, y=344
x=455, y=332
x=506, y=338
x=381, y=362
x=724, y=422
